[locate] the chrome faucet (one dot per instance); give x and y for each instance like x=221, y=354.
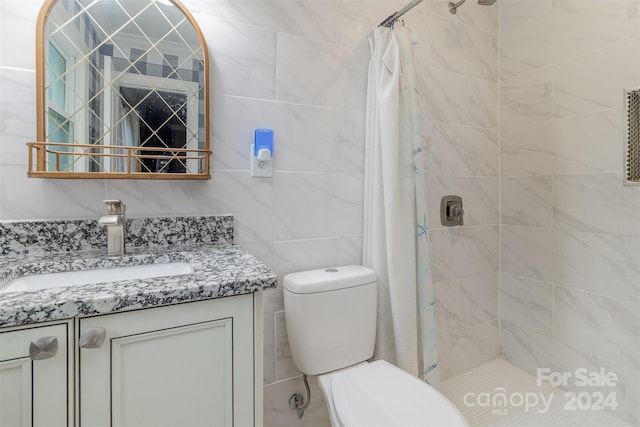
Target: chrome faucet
x=114, y=222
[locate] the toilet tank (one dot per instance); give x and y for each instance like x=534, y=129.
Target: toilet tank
x=331, y=317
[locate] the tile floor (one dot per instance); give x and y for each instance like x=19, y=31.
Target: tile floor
x=500, y=376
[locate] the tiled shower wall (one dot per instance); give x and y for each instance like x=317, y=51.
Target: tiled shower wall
x=570, y=289
x=300, y=68
x=457, y=68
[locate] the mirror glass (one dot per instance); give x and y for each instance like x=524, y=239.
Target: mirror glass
x=123, y=91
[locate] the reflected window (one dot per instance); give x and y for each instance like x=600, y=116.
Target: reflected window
x=123, y=91
x=155, y=119
x=57, y=77
x=60, y=125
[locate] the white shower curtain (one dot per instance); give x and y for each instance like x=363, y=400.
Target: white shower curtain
x=395, y=241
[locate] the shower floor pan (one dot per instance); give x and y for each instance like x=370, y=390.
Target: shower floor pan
x=479, y=395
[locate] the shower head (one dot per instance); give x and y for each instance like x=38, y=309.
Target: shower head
x=453, y=7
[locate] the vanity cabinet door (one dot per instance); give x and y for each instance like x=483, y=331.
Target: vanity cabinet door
x=181, y=365
x=34, y=367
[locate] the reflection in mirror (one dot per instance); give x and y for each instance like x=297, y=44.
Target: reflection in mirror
x=123, y=91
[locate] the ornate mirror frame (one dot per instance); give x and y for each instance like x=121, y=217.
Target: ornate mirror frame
x=179, y=106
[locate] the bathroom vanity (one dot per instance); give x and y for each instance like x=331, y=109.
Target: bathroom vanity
x=182, y=349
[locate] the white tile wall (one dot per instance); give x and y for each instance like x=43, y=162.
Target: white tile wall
x=633, y=268
x=588, y=143
x=601, y=25
x=576, y=259
x=526, y=37
x=527, y=149
x=593, y=82
x=452, y=309
x=598, y=325
x=527, y=201
x=526, y=99
x=18, y=36
x=243, y=57
x=319, y=73
x=285, y=368
x=482, y=203
x=526, y=303
x=22, y=198
x=473, y=15
x=464, y=150
x=332, y=205
x=471, y=52
x=633, y=395
x=483, y=103
x=17, y=113
x=446, y=95
x=466, y=348
x=569, y=286
x=598, y=203
x=314, y=20
x=518, y=12
x=633, y=19
x=355, y=19
x=483, y=297
x=464, y=252
x=458, y=87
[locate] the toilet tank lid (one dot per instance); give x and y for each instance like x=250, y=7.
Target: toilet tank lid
x=328, y=279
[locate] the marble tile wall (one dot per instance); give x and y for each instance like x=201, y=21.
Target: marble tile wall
x=570, y=229
x=457, y=59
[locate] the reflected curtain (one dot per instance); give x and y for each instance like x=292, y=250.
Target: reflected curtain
x=128, y=134
x=395, y=241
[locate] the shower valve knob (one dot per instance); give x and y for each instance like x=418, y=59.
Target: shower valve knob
x=451, y=211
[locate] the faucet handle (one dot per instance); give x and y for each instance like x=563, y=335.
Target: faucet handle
x=115, y=207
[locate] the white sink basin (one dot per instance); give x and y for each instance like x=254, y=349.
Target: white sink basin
x=98, y=275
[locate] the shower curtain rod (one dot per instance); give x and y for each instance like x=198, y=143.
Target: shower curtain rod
x=391, y=19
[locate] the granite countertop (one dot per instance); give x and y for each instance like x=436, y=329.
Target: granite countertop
x=218, y=270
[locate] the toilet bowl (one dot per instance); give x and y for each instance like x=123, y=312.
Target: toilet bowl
x=381, y=394
x=331, y=321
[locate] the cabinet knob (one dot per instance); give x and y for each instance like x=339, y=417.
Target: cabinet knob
x=43, y=348
x=92, y=337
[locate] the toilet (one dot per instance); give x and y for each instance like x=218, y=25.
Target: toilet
x=331, y=324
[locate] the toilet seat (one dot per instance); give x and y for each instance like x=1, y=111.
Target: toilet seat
x=380, y=394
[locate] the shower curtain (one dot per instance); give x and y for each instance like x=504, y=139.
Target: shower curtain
x=395, y=241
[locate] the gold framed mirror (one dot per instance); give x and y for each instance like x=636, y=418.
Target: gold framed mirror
x=122, y=91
